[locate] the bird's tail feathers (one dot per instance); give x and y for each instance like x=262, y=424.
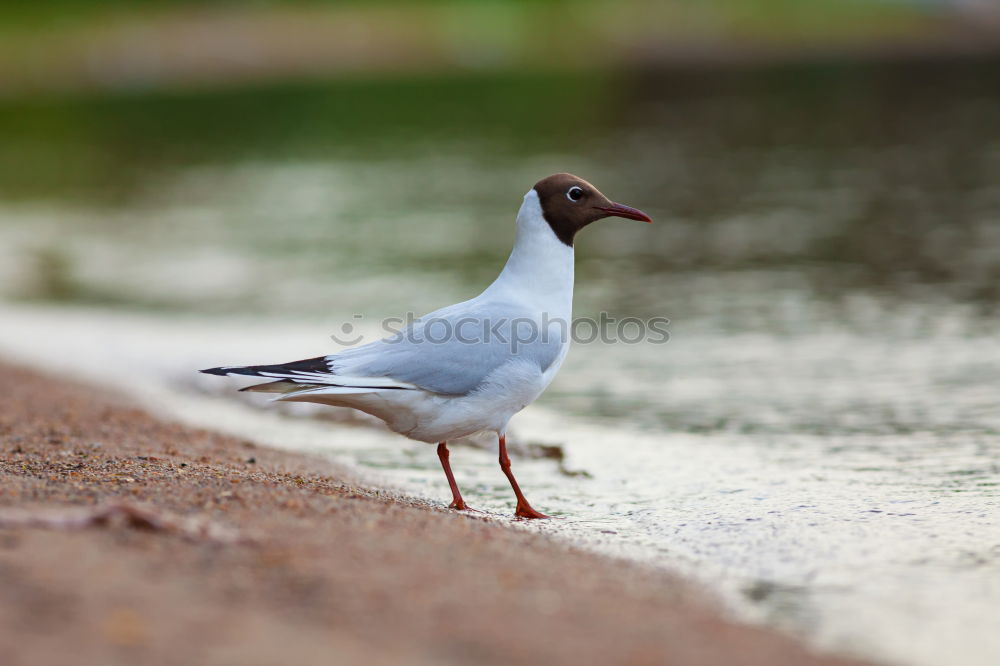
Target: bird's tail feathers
x=306, y=376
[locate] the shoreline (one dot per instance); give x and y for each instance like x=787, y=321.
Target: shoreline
x=246, y=553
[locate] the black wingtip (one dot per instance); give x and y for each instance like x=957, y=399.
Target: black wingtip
x=318, y=364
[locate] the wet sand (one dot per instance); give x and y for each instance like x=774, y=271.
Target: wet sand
x=219, y=551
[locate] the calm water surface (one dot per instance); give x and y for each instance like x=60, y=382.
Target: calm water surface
x=819, y=441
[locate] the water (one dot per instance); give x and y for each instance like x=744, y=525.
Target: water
x=818, y=441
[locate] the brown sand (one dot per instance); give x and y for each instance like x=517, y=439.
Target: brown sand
x=254, y=556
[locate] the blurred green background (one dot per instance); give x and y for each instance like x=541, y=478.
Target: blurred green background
x=245, y=157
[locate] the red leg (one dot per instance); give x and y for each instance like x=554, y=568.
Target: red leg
x=524, y=509
x=457, y=501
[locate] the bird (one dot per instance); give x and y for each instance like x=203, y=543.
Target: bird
x=467, y=368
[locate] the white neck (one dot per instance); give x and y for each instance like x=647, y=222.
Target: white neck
x=540, y=268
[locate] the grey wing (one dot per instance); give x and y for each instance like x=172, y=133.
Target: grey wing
x=453, y=350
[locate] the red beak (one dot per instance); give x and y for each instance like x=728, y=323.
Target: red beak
x=620, y=210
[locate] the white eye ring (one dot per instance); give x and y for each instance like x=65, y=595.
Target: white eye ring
x=574, y=193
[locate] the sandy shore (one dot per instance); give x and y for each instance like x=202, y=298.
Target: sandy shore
x=125, y=539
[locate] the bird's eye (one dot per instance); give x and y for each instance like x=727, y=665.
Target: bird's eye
x=574, y=193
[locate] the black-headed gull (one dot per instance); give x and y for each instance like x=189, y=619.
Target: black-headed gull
x=469, y=367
